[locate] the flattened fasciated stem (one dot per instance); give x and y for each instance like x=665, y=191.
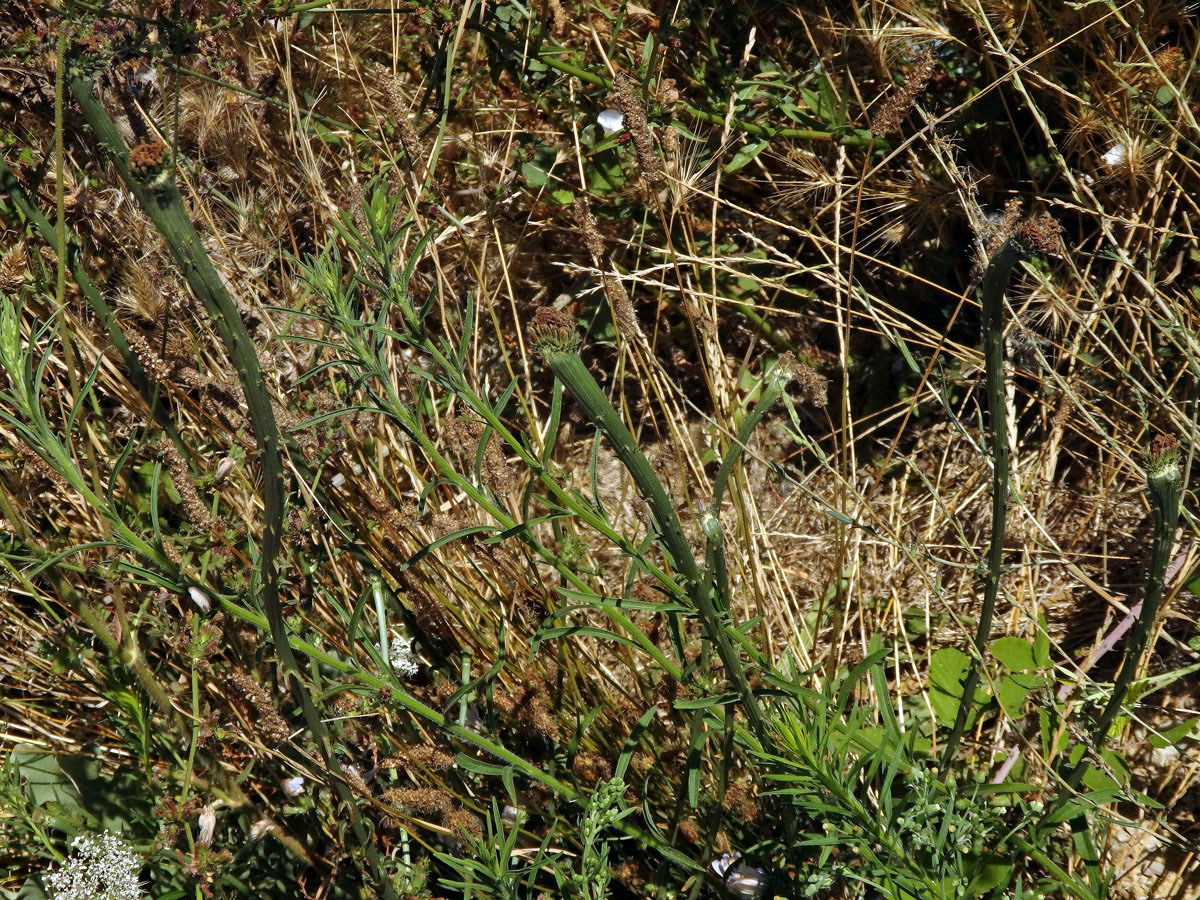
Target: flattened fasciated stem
x=552, y=334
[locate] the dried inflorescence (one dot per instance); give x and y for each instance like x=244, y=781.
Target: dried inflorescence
x=739, y=800
x=589, y=229
x=14, y=266
x=814, y=387
x=400, y=110
x=422, y=757
x=270, y=722
x=1043, y=234
x=626, y=98
x=896, y=107
x=193, y=506
x=623, y=311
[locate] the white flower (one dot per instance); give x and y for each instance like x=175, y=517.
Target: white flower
x=208, y=822
x=101, y=867
x=200, y=599
x=610, y=121
x=1116, y=155
x=261, y=827
x=741, y=880
x=293, y=787
x=401, y=658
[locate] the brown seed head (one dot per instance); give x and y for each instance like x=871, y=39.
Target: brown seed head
x=896, y=107
x=1043, y=234
x=626, y=98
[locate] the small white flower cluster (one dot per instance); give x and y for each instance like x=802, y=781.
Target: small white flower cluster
x=101, y=867
x=401, y=657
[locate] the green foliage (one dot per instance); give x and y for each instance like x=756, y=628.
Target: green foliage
x=611, y=684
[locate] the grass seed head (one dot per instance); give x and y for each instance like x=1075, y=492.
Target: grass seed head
x=896, y=107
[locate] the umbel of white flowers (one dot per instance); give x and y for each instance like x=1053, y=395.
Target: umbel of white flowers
x=101, y=867
x=400, y=656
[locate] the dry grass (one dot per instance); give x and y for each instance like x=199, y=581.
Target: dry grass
x=864, y=263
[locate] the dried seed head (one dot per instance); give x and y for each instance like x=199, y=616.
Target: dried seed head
x=13, y=268
x=553, y=331
x=625, y=97
x=430, y=801
x=813, y=388
x=270, y=722
x=587, y=226
x=181, y=475
x=896, y=107
x=1042, y=234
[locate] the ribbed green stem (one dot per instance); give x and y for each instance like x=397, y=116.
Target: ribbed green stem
x=570, y=370
x=995, y=281
x=164, y=205
x=1162, y=487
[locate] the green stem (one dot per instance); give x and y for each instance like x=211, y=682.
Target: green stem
x=995, y=281
x=1163, y=489
x=569, y=368
x=164, y=205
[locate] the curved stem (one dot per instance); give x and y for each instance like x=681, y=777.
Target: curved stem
x=995, y=280
x=164, y=205
x=569, y=368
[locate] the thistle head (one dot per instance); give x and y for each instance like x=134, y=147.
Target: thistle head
x=1163, y=461
x=1041, y=234
x=553, y=331
x=148, y=162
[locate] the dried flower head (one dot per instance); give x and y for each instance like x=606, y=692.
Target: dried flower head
x=633, y=111
x=14, y=266
x=1042, y=234
x=270, y=722
x=896, y=107
x=148, y=160
x=552, y=331
x=101, y=867
x=587, y=226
